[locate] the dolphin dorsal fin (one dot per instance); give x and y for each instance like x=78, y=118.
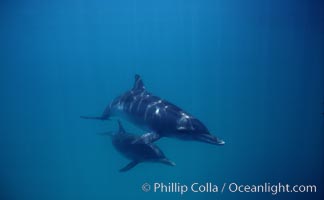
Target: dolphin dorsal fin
x=121, y=128
x=138, y=84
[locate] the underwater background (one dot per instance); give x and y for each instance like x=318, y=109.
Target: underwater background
x=252, y=71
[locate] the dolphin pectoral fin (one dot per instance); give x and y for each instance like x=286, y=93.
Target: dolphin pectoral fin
x=129, y=166
x=167, y=162
x=147, y=138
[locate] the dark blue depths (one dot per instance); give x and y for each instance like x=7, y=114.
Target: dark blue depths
x=251, y=71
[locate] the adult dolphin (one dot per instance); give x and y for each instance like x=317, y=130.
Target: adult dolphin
x=137, y=153
x=157, y=116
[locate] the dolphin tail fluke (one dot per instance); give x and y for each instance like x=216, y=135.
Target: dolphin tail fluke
x=129, y=166
x=91, y=117
x=168, y=162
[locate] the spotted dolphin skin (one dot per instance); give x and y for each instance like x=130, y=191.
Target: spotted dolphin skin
x=157, y=116
x=137, y=153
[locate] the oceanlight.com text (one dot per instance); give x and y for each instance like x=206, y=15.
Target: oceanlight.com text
x=233, y=187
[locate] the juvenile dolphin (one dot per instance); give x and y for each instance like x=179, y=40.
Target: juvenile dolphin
x=157, y=116
x=137, y=153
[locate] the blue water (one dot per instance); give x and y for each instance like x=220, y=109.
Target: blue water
x=252, y=71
